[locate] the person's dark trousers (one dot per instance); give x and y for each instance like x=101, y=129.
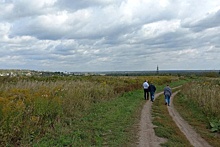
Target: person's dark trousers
x=146, y=94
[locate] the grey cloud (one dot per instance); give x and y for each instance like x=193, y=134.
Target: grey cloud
x=73, y=28
x=14, y=9
x=34, y=27
x=210, y=21
x=82, y=4
x=170, y=41
x=62, y=50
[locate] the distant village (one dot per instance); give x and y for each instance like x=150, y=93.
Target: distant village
x=23, y=72
x=13, y=73
x=17, y=72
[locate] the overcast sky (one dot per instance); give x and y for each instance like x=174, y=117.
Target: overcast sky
x=110, y=35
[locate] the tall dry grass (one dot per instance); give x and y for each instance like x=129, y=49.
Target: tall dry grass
x=206, y=94
x=28, y=109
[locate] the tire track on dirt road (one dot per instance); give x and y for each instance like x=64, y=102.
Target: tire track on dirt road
x=146, y=134
x=194, y=138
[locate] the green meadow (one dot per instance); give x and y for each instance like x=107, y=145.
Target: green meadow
x=88, y=110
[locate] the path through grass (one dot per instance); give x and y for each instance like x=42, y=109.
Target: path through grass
x=194, y=115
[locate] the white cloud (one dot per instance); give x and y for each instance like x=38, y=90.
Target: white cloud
x=160, y=27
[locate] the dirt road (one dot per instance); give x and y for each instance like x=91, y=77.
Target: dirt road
x=147, y=137
x=195, y=139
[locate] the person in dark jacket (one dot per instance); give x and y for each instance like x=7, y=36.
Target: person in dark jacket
x=152, y=90
x=167, y=94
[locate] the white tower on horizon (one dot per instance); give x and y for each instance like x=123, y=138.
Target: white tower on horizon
x=157, y=69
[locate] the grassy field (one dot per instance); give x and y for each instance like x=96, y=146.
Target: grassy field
x=63, y=111
x=93, y=110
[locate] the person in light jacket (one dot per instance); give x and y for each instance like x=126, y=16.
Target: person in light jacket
x=167, y=94
x=146, y=92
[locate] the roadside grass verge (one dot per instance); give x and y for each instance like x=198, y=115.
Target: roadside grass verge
x=194, y=115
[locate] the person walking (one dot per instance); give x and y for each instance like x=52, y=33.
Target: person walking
x=152, y=90
x=167, y=94
x=146, y=92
